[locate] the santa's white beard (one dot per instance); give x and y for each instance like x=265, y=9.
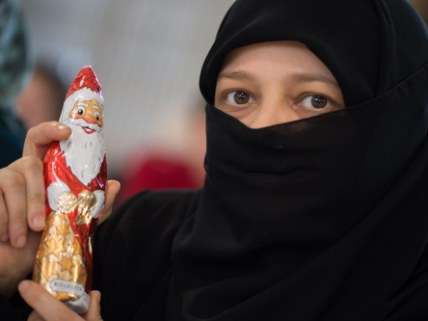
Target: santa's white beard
x=84, y=153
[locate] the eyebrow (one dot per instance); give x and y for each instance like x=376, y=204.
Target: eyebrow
x=302, y=77
x=308, y=77
x=237, y=74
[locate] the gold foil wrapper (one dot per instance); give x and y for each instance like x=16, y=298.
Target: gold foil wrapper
x=59, y=264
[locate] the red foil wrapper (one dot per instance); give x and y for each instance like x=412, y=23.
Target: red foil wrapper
x=75, y=179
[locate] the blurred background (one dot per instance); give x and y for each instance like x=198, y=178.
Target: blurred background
x=147, y=54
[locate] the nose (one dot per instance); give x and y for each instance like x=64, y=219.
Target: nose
x=271, y=113
x=90, y=118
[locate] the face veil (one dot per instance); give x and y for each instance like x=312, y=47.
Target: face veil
x=322, y=218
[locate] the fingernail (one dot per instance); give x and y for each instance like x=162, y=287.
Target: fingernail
x=23, y=285
x=20, y=242
x=39, y=222
x=61, y=127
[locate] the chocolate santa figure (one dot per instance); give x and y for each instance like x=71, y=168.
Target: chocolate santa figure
x=75, y=178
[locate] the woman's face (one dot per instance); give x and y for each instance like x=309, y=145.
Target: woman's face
x=272, y=83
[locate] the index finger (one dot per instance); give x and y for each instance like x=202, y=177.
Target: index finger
x=44, y=304
x=39, y=137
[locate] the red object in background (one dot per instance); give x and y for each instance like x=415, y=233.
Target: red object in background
x=158, y=171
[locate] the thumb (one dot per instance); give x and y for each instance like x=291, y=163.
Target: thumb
x=94, y=312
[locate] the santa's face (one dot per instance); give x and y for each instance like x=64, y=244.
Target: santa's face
x=89, y=114
x=84, y=150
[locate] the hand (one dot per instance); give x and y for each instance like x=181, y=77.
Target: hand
x=47, y=308
x=22, y=205
x=22, y=199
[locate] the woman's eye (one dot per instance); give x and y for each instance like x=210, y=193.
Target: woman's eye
x=238, y=97
x=316, y=102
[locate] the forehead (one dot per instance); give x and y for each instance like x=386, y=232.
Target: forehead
x=275, y=58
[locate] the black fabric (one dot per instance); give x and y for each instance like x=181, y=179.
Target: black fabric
x=132, y=255
x=13, y=309
x=133, y=267
x=322, y=218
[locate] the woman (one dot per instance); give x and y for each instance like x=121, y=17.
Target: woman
x=314, y=203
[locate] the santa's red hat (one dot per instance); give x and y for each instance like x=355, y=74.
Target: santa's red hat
x=84, y=87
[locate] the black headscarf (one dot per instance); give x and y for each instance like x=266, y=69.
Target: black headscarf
x=322, y=218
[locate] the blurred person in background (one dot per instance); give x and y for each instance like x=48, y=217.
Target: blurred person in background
x=14, y=70
x=165, y=166
x=314, y=203
x=42, y=98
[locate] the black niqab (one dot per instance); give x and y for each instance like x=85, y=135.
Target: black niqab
x=322, y=218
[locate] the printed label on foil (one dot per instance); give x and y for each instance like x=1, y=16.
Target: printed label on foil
x=64, y=286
